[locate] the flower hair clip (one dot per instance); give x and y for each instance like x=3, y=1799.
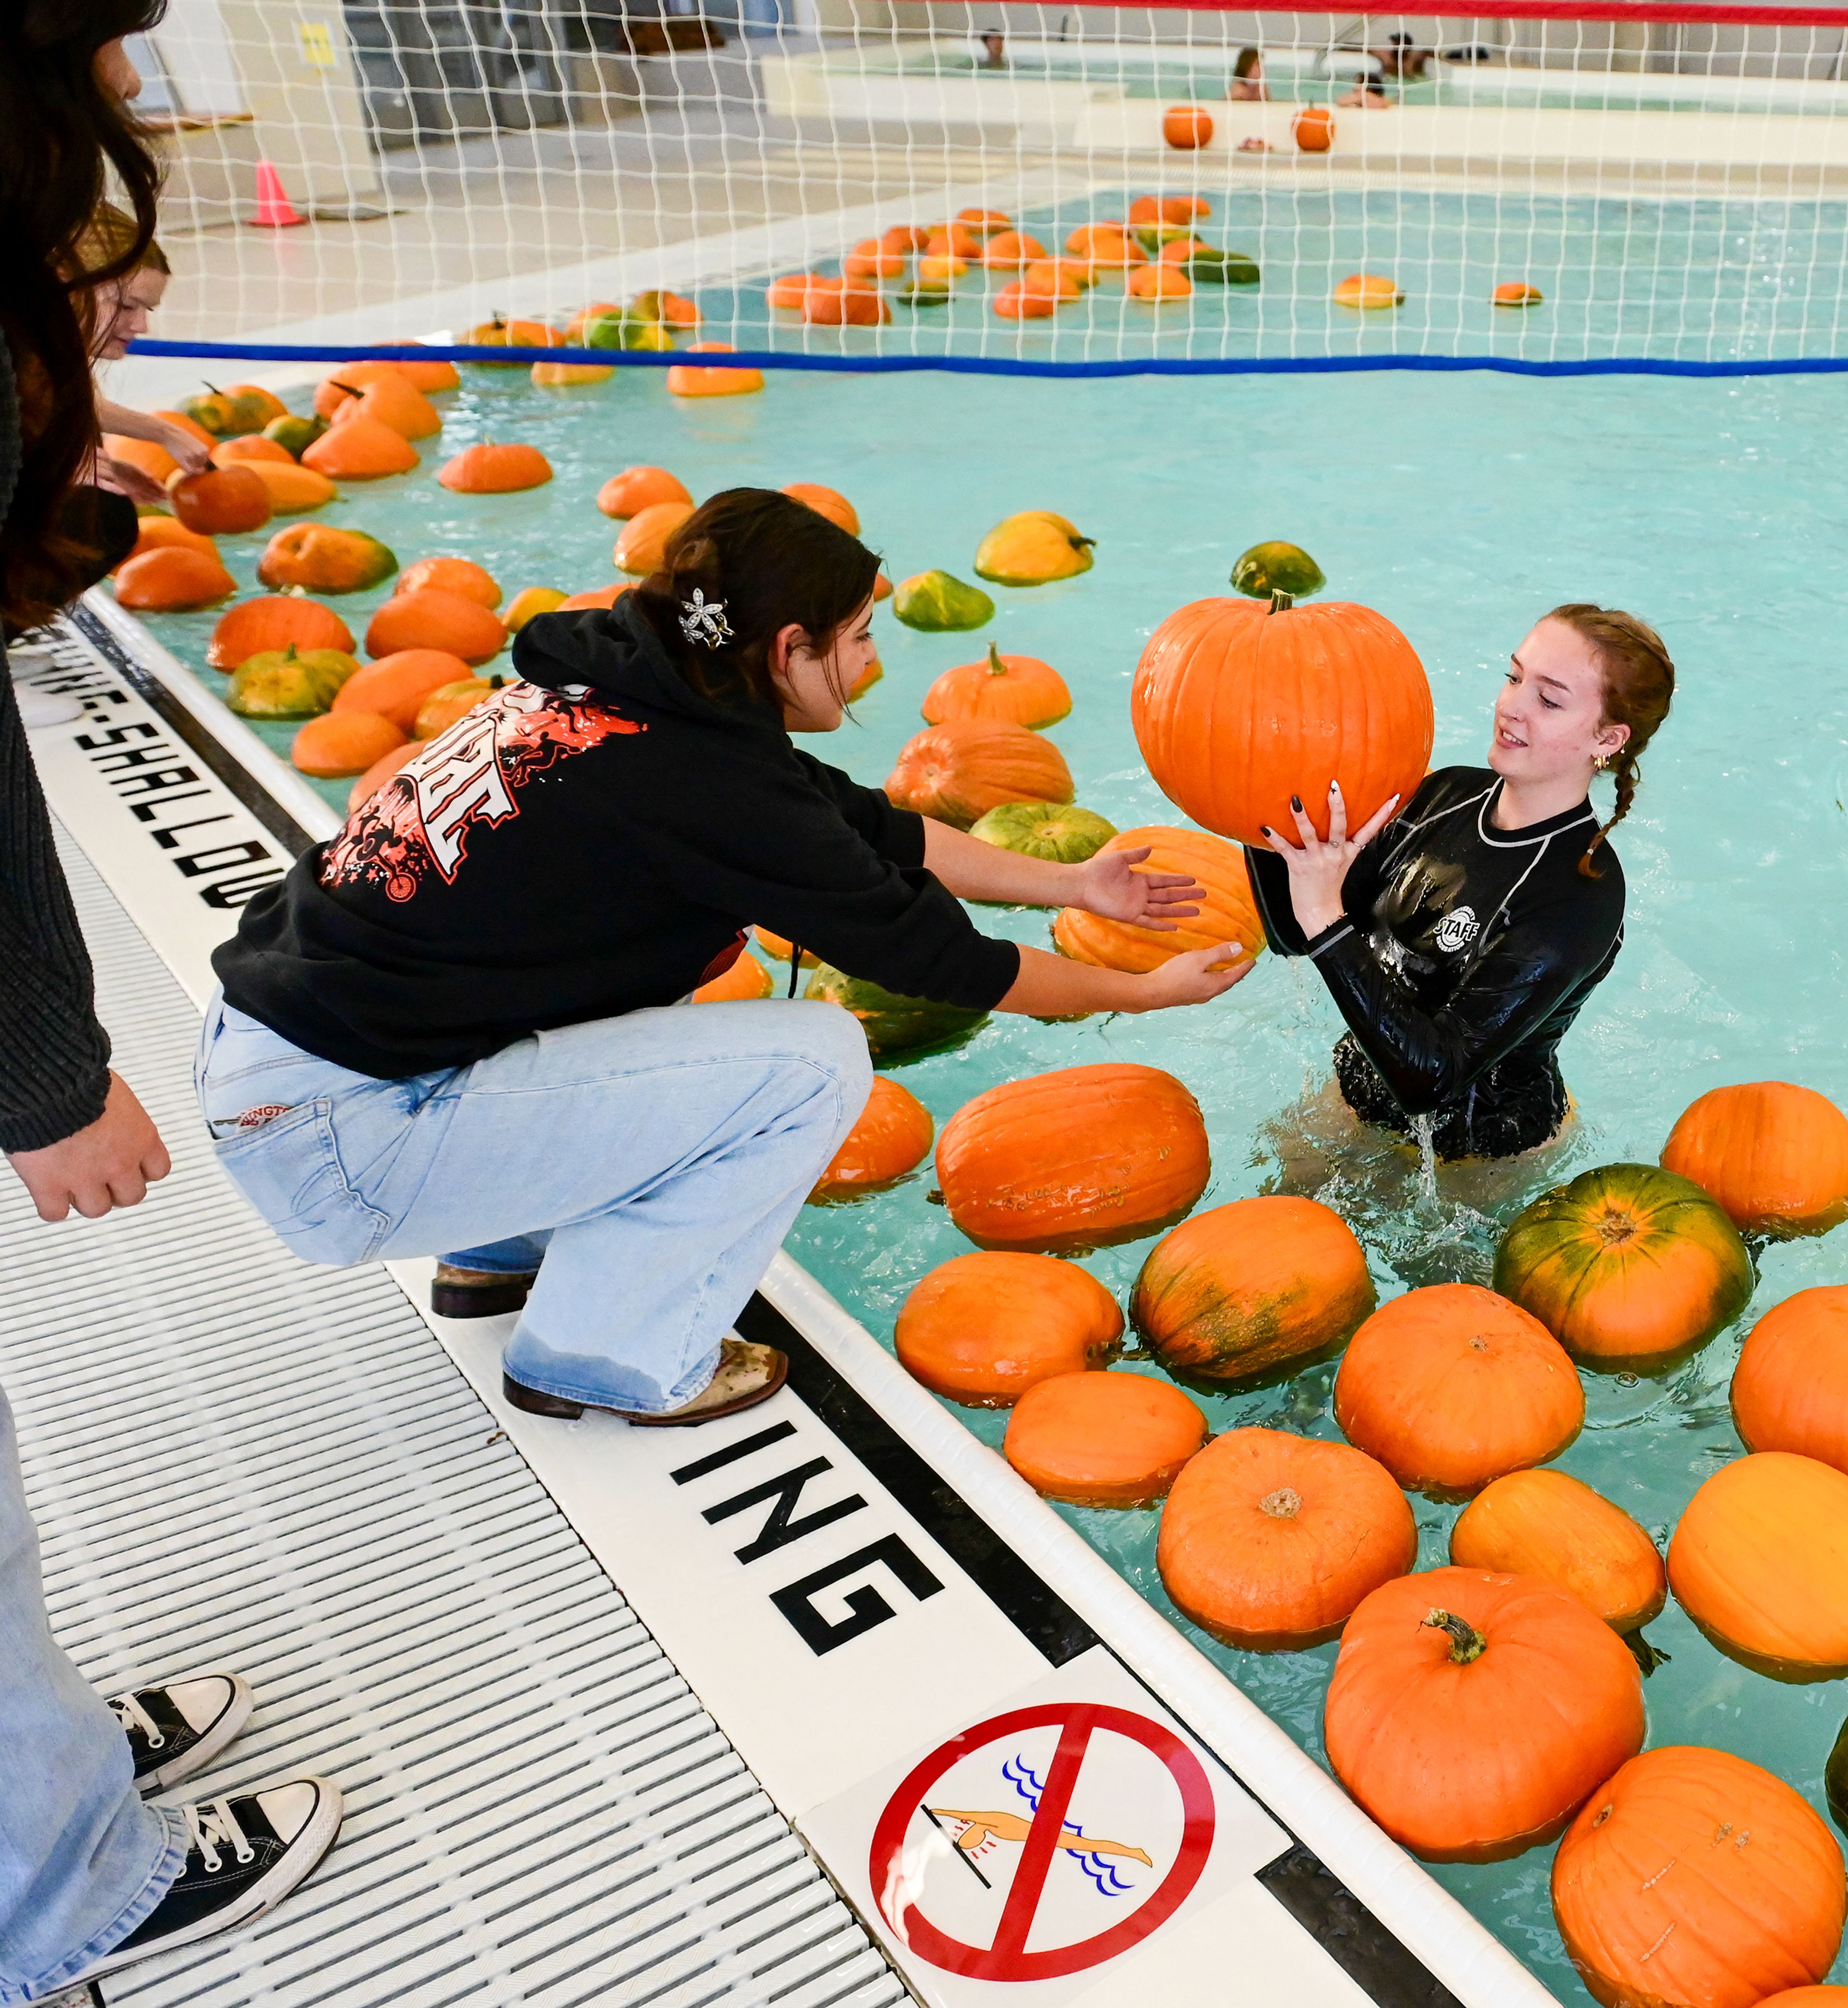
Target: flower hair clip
x=704, y=620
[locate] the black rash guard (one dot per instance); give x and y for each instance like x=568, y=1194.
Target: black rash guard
x=1463, y=955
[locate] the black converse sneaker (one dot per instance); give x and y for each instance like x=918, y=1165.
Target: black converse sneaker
x=178, y=1728
x=246, y=1854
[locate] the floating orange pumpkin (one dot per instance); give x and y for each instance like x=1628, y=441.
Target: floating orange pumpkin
x=905, y=237
x=221, y=501
x=250, y=446
x=570, y=376
x=1775, y=1156
x=1017, y=302
x=718, y=380
x=324, y=560
x=1516, y=293
x=1451, y=1386
x=344, y=742
x=1078, y=1158
x=982, y=1329
x=1103, y=1439
x=1104, y=246
x=1060, y=279
x=461, y=576
x=1009, y=250
x=1248, y=1288
x=744, y=982
x=891, y=1137
x=1759, y=1560
x=600, y=595
x=638, y=488
x=1269, y=1541
x=1160, y=282
x=1020, y=689
x=1791, y=1387
x=1629, y=1267
x=176, y=578
x=1544, y=1524
x=1694, y=1878
x=870, y=260
x=344, y=385
x=395, y=686
x=381, y=771
x=983, y=222
x=1187, y=127
x=955, y=240
x=1226, y=911
x=1180, y=210
x=828, y=502
x=494, y=469
x=449, y=702
x=1312, y=128
x=501, y=332
x=642, y=547
x=434, y=619
x=187, y=423
x=940, y=269
x=1807, y=1997
x=154, y=461
x=424, y=376
x=667, y=309
x=160, y=533
x=292, y=489
x=393, y=401
x=363, y=449
x=790, y=291
x=1368, y=292
x=845, y=307
x=957, y=771
x=531, y=601
x=1472, y=1714
x=273, y=623
x=1238, y=704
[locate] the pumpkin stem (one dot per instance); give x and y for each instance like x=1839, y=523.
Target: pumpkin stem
x=996, y=666
x=288, y=654
x=1647, y=1657
x=1084, y=543
x=1281, y=602
x=1284, y=1504
x=1467, y=1643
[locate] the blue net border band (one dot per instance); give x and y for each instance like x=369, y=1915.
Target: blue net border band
x=986, y=365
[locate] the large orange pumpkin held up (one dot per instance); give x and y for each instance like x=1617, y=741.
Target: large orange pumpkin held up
x=982, y=1329
x=1103, y=1439
x=1775, y=1156
x=1239, y=705
x=1270, y=1541
x=1472, y=1715
x=1081, y=1157
x=1692, y=1877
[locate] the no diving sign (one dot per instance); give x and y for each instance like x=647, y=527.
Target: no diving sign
x=1043, y=1842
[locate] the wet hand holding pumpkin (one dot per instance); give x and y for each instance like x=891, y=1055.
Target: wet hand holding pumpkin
x=1048, y=986
x=1318, y=869
x=1110, y=885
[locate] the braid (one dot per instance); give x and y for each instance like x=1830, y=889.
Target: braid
x=1639, y=685
x=1628, y=775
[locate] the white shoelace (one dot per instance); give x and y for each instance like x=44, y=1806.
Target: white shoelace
x=212, y=1824
x=131, y=1715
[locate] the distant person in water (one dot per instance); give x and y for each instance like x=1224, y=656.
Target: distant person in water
x=995, y=50
x=1248, y=85
x=1400, y=57
x=1460, y=936
x=1369, y=95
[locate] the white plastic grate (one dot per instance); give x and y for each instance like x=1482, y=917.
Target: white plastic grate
x=236, y=1460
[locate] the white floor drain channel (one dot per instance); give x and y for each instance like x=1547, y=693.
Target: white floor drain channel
x=235, y=1461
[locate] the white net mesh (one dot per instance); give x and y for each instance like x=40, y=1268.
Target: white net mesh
x=1674, y=191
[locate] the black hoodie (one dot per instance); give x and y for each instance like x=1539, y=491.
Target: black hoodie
x=592, y=840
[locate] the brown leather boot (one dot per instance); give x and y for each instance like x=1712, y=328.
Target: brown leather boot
x=472, y=1293
x=747, y=1374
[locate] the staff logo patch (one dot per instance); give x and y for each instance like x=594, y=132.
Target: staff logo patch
x=1457, y=930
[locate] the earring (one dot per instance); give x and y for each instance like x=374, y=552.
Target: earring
x=1600, y=762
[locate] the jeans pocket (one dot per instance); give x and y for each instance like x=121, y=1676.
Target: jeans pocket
x=290, y=1171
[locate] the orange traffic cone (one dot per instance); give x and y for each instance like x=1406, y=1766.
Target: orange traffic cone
x=274, y=210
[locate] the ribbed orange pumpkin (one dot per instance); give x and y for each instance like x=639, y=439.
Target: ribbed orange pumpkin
x=1544, y=1524
x=1245, y=1289
x=891, y=1136
x=1227, y=913
x=1627, y=1267
x=344, y=742
x=1103, y=1439
x=221, y=501
x=461, y=576
x=449, y=702
x=957, y=772
x=176, y=578
x=292, y=489
x=1452, y=1386
x=250, y=446
x=1020, y=689
x=324, y=560
x=982, y=1329
x=160, y=533
x=351, y=380
x=638, y=488
x=1807, y=1997
x=828, y=502
x=1774, y=1155
x=642, y=547
x=1081, y=1157
x=1791, y=1387
x=1473, y=1714
x=1238, y=704
x=1270, y=1541
x=435, y=619
x=393, y=400
x=155, y=461
x=494, y=469
x=363, y=449
x=394, y=688
x=274, y=622
x=1759, y=1560
x=1693, y=1880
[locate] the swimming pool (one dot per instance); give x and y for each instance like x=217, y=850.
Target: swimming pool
x=1461, y=507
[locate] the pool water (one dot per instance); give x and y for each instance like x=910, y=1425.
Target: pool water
x=1462, y=507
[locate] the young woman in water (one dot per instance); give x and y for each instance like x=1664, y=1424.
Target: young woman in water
x=444, y=1033
x=1461, y=937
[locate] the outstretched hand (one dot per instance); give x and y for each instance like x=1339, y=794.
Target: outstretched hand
x=1318, y=869
x=1111, y=887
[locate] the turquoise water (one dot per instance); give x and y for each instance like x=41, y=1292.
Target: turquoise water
x=1461, y=507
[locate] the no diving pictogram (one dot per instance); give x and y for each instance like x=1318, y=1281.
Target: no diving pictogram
x=913, y=1833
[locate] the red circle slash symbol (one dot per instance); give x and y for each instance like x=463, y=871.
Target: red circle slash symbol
x=1007, y=1958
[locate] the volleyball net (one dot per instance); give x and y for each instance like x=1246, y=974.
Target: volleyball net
x=1537, y=184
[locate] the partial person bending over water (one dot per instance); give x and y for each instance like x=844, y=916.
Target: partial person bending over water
x=1460, y=939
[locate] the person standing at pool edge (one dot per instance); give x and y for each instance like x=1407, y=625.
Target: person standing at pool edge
x=443, y=1033
x=1460, y=939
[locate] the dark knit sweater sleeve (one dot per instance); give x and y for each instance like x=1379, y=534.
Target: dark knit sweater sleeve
x=54, y=1055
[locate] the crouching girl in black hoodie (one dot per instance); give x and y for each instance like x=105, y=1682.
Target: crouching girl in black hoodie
x=446, y=1031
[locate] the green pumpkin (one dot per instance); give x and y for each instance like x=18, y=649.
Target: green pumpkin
x=1835, y=1781
x=623, y=330
x=1266, y=569
x=294, y=435
x=938, y=604
x=893, y=1025
x=1152, y=236
x=1221, y=268
x=923, y=293
x=286, y=683
x=225, y=416
x=1061, y=832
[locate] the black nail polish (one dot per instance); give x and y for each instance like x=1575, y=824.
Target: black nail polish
x=1296, y=804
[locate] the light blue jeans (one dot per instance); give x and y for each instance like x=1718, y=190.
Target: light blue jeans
x=82, y=1861
x=655, y=1161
